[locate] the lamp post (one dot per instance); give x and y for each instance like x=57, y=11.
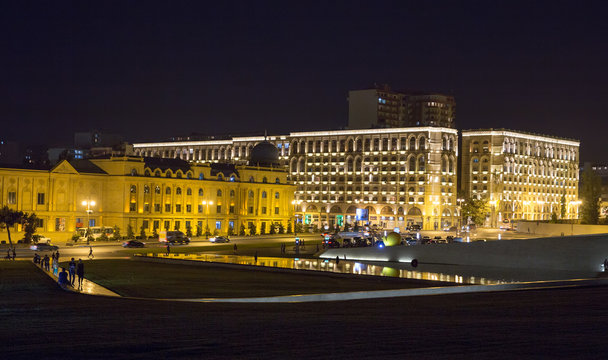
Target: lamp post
x=295, y=204
x=207, y=203
x=89, y=204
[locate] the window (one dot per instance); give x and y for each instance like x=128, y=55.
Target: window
x=40, y=198
x=188, y=208
x=218, y=209
x=251, y=179
x=201, y=176
x=231, y=210
x=178, y=207
x=155, y=224
x=189, y=191
x=200, y=192
x=200, y=208
x=146, y=189
x=250, y=193
x=276, y=195
x=157, y=173
x=263, y=194
x=12, y=197
x=145, y=224
x=39, y=223
x=156, y=207
x=218, y=225
x=167, y=207
x=147, y=207
x=133, y=207
x=232, y=193
x=157, y=190
x=177, y=224
x=219, y=192
x=276, y=210
x=263, y=210
x=232, y=178
x=178, y=191
x=277, y=181
x=167, y=224
x=264, y=180
x=168, y=191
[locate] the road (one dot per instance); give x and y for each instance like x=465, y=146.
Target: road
x=112, y=250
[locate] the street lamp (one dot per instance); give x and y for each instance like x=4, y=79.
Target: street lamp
x=207, y=203
x=295, y=204
x=89, y=204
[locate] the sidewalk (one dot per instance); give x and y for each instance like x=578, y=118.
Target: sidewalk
x=88, y=287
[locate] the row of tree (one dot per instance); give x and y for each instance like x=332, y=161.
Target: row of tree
x=9, y=218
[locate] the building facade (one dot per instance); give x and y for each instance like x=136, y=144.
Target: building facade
x=149, y=193
x=523, y=176
x=382, y=107
x=400, y=176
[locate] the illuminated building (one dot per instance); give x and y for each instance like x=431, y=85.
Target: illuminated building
x=382, y=107
x=523, y=176
x=400, y=175
x=152, y=193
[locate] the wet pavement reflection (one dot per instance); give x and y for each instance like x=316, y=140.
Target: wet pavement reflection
x=433, y=272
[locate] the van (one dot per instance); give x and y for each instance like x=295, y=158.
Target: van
x=96, y=232
x=173, y=237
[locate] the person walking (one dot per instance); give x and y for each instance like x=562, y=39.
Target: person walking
x=14, y=253
x=72, y=270
x=91, y=256
x=80, y=273
x=168, y=248
x=235, y=248
x=47, y=262
x=256, y=256
x=8, y=253
x=57, y=255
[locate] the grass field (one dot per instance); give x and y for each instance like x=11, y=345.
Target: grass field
x=157, y=280
x=40, y=321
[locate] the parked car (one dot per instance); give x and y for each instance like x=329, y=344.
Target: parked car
x=414, y=227
x=219, y=239
x=37, y=239
x=173, y=237
x=412, y=241
x=133, y=244
x=44, y=247
x=331, y=243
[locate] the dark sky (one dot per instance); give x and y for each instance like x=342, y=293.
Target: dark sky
x=153, y=69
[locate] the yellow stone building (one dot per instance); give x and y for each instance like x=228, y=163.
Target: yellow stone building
x=149, y=193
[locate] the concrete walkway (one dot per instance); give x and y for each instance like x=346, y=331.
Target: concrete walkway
x=88, y=287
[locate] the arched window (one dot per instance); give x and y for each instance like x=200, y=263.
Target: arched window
x=188, y=191
x=422, y=143
x=276, y=195
x=251, y=179
x=263, y=194
x=133, y=172
x=157, y=173
x=147, y=172
x=200, y=192
x=178, y=191
x=412, y=143
x=219, y=192
x=220, y=177
x=277, y=181
x=157, y=190
x=421, y=163
x=168, y=191
x=412, y=164
x=250, y=193
x=201, y=176
x=178, y=174
x=133, y=188
x=232, y=193
x=264, y=180
x=146, y=189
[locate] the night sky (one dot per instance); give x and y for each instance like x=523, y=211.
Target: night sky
x=154, y=69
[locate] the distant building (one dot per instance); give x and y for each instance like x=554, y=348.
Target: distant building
x=382, y=107
x=400, y=176
x=149, y=194
x=602, y=172
x=96, y=139
x=522, y=175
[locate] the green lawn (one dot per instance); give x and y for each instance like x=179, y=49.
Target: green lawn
x=158, y=280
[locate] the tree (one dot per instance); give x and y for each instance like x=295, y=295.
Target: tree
x=230, y=230
x=142, y=233
x=273, y=229
x=298, y=228
x=280, y=228
x=476, y=210
x=189, y=231
x=8, y=218
x=554, y=217
x=29, y=226
x=252, y=229
x=116, y=235
x=130, y=233
x=289, y=227
x=242, y=230
x=167, y=226
x=199, y=230
x=207, y=231
x=590, y=193
x=263, y=228
x=562, y=206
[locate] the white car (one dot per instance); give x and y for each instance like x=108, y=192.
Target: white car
x=219, y=239
x=38, y=239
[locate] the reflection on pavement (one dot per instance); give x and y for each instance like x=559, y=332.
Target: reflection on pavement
x=326, y=265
